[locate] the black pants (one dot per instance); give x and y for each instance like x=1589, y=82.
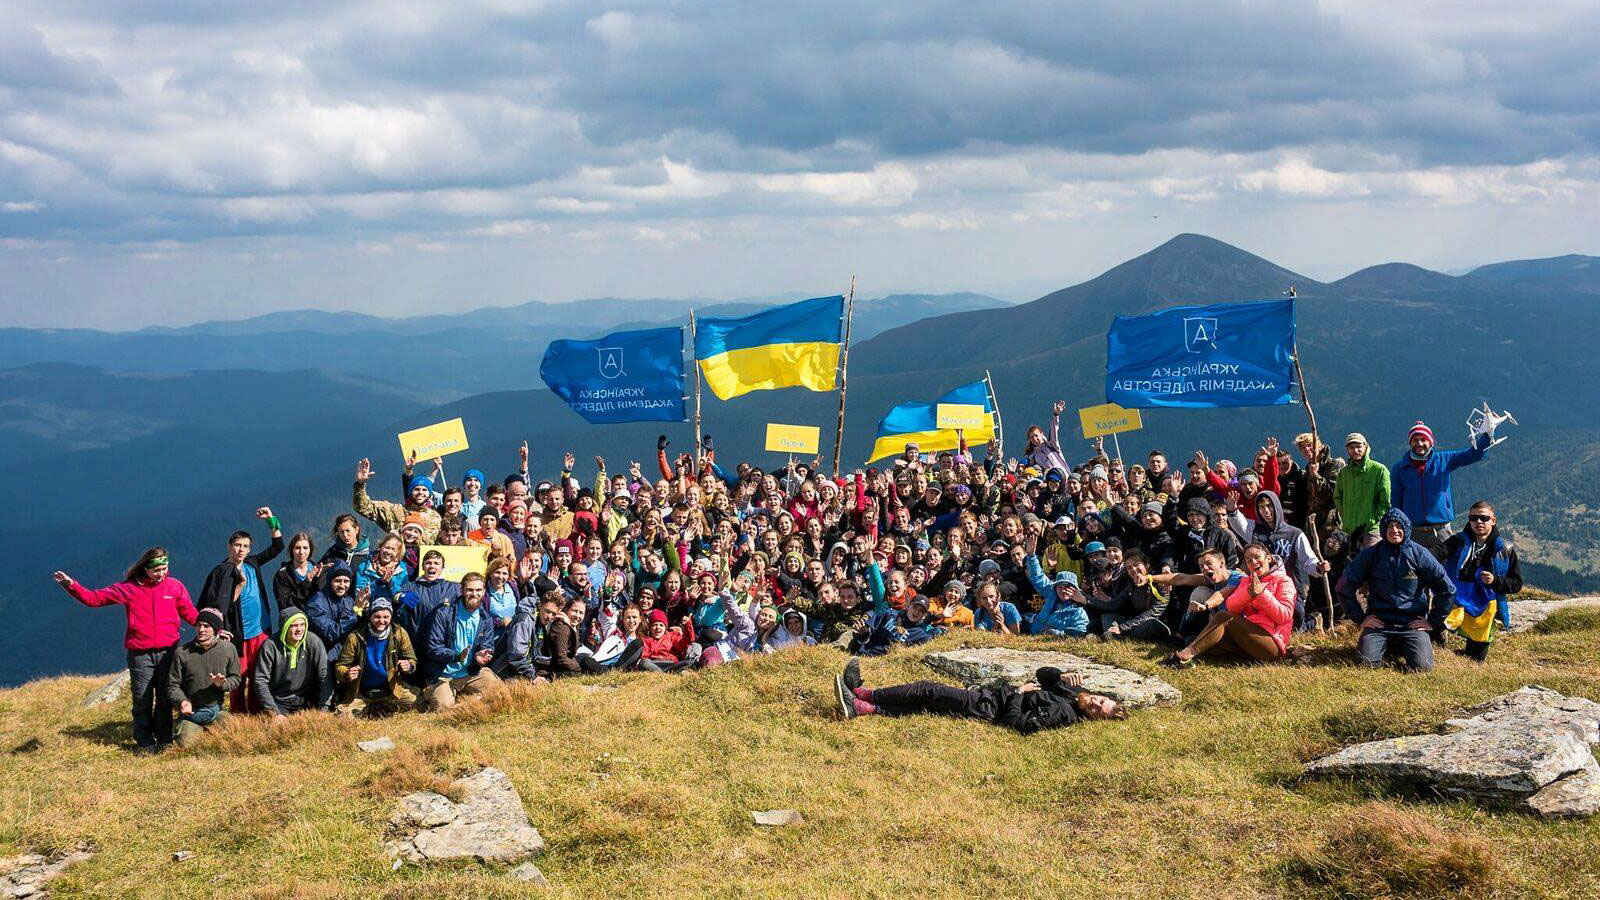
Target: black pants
x=930, y=697
x=147, y=683
x=1477, y=651
x=627, y=659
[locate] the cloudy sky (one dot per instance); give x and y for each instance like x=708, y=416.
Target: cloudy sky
x=168, y=161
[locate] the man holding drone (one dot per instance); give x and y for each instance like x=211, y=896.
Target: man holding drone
x=1420, y=480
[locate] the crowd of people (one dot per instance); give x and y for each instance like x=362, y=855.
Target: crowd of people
x=701, y=564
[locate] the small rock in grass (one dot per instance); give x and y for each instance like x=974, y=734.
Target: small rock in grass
x=376, y=745
x=181, y=855
x=529, y=873
x=778, y=817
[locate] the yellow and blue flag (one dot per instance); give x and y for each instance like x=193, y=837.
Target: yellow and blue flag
x=790, y=346
x=917, y=423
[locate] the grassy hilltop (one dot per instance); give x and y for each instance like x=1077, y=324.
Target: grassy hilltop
x=1195, y=801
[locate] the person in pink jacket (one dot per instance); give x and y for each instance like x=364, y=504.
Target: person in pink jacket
x=1255, y=619
x=154, y=603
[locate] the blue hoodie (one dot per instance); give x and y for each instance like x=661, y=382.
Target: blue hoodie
x=1425, y=495
x=331, y=617
x=1399, y=579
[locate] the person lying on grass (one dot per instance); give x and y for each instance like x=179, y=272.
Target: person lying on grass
x=1051, y=700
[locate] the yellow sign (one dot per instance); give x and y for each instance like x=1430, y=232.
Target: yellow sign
x=800, y=439
x=458, y=561
x=1108, y=418
x=966, y=416
x=435, y=440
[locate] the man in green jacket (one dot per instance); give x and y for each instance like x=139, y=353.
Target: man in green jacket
x=204, y=671
x=1361, y=493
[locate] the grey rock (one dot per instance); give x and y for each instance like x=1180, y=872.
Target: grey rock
x=778, y=817
x=1575, y=796
x=182, y=855
x=376, y=745
x=425, y=809
x=982, y=665
x=1534, y=703
x=1524, y=614
x=488, y=824
x=529, y=873
x=29, y=875
x=114, y=689
x=1528, y=749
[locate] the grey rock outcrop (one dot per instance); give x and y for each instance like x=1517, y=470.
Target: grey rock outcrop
x=114, y=689
x=489, y=824
x=1525, y=614
x=28, y=877
x=981, y=665
x=1529, y=749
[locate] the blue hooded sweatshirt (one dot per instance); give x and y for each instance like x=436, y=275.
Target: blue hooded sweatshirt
x=1399, y=581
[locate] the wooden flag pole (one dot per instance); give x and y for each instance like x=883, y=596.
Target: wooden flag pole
x=999, y=424
x=844, y=373
x=1311, y=472
x=695, y=345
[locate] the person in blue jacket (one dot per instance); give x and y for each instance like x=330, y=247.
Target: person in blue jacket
x=459, y=647
x=331, y=612
x=1485, y=569
x=1419, y=486
x=1408, y=595
x=886, y=627
x=1063, y=614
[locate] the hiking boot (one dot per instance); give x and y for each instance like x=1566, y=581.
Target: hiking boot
x=846, y=699
x=1174, y=661
x=852, y=674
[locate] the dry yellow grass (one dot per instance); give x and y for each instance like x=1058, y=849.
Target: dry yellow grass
x=642, y=785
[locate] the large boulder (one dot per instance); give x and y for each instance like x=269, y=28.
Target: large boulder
x=488, y=824
x=1529, y=749
x=982, y=665
x=1524, y=614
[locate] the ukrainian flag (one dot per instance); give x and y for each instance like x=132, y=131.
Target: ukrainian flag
x=917, y=423
x=791, y=346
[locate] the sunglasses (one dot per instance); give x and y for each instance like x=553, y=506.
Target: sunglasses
x=1480, y=518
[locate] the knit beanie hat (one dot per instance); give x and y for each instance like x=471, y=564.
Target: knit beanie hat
x=209, y=616
x=1421, y=429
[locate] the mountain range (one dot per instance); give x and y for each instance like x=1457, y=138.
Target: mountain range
x=174, y=435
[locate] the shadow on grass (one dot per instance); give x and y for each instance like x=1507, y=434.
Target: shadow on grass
x=111, y=734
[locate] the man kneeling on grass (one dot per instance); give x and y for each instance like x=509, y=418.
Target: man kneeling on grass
x=1051, y=700
x=204, y=671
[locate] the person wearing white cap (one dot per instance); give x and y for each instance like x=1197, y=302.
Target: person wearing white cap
x=1422, y=488
x=1361, y=492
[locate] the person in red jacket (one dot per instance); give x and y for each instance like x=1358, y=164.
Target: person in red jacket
x=664, y=648
x=154, y=604
x=1255, y=619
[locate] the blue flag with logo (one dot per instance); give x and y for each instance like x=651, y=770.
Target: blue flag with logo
x=628, y=376
x=1225, y=354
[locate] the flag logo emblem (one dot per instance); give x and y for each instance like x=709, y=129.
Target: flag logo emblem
x=610, y=361
x=1199, y=333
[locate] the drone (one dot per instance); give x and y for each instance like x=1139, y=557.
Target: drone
x=1484, y=420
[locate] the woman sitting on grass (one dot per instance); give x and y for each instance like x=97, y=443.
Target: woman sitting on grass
x=1256, y=617
x=1051, y=700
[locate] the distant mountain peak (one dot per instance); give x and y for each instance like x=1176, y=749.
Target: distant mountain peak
x=1388, y=279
